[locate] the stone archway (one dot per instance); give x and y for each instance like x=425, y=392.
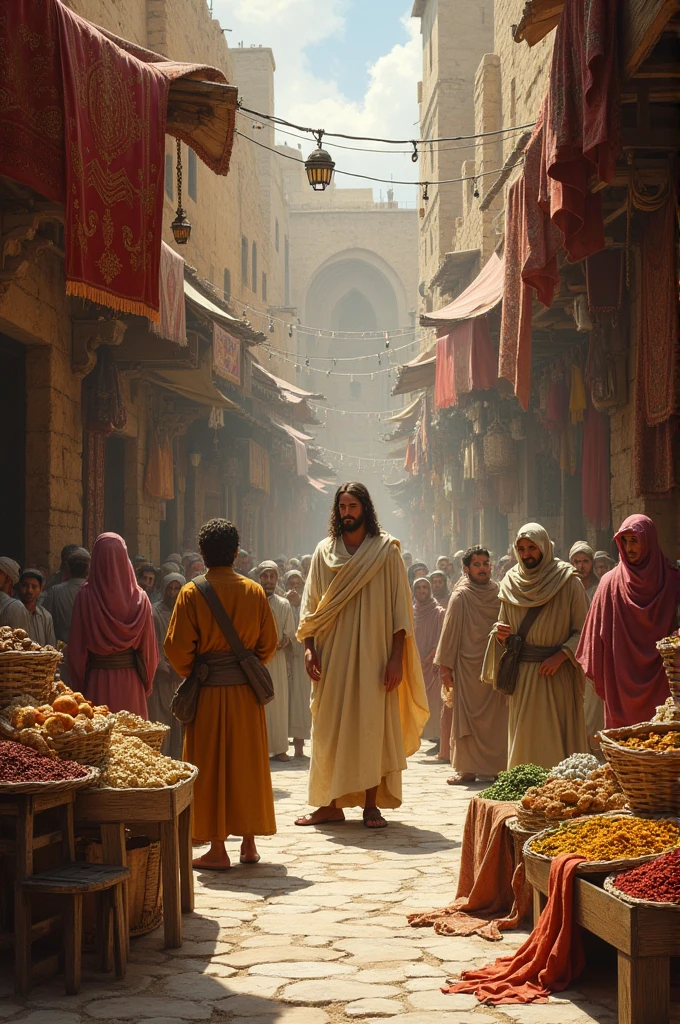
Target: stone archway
x=356, y=288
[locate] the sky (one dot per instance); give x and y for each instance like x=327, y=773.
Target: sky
x=344, y=65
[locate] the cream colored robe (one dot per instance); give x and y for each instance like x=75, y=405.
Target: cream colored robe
x=593, y=706
x=361, y=736
x=299, y=688
x=479, y=732
x=277, y=709
x=546, y=722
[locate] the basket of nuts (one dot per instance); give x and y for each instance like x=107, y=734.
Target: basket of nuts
x=152, y=733
x=25, y=666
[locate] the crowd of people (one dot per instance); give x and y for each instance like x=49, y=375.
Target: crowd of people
x=365, y=647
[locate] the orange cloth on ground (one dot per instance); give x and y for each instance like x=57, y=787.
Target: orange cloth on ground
x=547, y=962
x=227, y=740
x=488, y=899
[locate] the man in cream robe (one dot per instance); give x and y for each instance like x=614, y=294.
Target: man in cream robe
x=299, y=683
x=479, y=731
x=277, y=710
x=546, y=722
x=369, y=704
x=582, y=557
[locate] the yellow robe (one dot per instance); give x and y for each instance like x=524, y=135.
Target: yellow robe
x=227, y=740
x=361, y=735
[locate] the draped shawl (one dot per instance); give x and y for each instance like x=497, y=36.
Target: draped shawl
x=427, y=621
x=527, y=587
x=633, y=607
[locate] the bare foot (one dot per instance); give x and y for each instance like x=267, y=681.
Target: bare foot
x=460, y=780
x=281, y=757
x=321, y=816
x=249, y=854
x=298, y=747
x=212, y=863
x=373, y=818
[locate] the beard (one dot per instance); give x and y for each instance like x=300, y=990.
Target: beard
x=531, y=563
x=350, y=525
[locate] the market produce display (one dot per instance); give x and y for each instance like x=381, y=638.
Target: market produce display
x=19, y=640
x=128, y=720
x=131, y=764
x=578, y=766
x=19, y=763
x=658, y=881
x=668, y=712
x=607, y=839
x=513, y=784
x=659, y=742
x=66, y=711
x=561, y=798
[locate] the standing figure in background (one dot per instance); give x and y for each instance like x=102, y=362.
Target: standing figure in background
x=634, y=606
x=243, y=563
x=602, y=563
x=146, y=577
x=428, y=619
x=62, y=575
x=277, y=709
x=479, y=728
x=299, y=683
x=59, y=600
x=305, y=563
x=166, y=680
x=417, y=571
x=546, y=721
x=112, y=652
x=12, y=612
x=581, y=556
x=42, y=626
x=440, y=587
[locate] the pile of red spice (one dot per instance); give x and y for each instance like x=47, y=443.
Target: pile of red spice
x=19, y=763
x=658, y=881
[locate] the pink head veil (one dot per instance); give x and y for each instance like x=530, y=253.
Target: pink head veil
x=114, y=610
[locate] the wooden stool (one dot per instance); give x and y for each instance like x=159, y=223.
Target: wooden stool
x=72, y=881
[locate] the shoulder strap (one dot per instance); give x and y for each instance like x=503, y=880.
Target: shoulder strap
x=207, y=591
x=526, y=623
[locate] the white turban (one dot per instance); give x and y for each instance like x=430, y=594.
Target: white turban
x=581, y=547
x=10, y=568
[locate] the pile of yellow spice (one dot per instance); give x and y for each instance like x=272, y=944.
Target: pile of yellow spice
x=660, y=742
x=603, y=839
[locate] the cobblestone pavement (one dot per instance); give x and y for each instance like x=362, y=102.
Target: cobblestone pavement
x=316, y=933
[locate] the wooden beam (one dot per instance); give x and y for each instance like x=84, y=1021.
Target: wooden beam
x=643, y=21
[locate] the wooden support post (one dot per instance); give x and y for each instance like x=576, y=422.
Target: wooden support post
x=185, y=857
x=113, y=852
x=73, y=941
x=644, y=989
x=172, y=913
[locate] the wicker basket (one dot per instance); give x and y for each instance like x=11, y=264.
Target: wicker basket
x=533, y=821
x=29, y=672
x=590, y=867
x=145, y=892
x=14, y=788
x=669, y=648
x=499, y=449
x=85, y=748
x=610, y=886
x=153, y=736
x=650, y=780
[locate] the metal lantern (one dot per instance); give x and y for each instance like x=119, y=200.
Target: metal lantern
x=319, y=166
x=181, y=228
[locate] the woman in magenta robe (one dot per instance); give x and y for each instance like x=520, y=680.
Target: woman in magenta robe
x=112, y=651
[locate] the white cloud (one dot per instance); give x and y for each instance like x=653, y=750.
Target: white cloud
x=388, y=108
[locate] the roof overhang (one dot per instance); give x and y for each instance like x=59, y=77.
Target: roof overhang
x=480, y=297
x=418, y=375
x=454, y=266
x=195, y=385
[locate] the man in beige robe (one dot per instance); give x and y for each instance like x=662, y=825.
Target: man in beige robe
x=479, y=731
x=277, y=710
x=368, y=702
x=546, y=722
x=299, y=683
x=582, y=557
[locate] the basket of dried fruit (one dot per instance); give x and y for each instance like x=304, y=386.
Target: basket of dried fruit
x=25, y=666
x=646, y=759
x=561, y=799
x=24, y=770
x=151, y=733
x=655, y=884
x=607, y=842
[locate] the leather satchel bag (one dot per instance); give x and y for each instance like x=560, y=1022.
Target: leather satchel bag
x=508, y=667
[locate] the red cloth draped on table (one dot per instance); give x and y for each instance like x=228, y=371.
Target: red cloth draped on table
x=595, y=501
x=657, y=381
x=550, y=958
x=633, y=607
x=465, y=361
x=112, y=614
x=582, y=131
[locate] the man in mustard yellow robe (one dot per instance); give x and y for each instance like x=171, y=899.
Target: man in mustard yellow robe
x=227, y=740
x=369, y=704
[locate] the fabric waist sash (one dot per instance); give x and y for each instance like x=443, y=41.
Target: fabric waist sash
x=534, y=654
x=219, y=668
x=121, y=659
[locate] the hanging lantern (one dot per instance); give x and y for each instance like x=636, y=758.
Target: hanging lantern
x=319, y=166
x=181, y=228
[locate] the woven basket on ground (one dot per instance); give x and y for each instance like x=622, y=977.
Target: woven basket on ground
x=145, y=892
x=649, y=779
x=610, y=886
x=86, y=748
x=153, y=735
x=499, y=449
x=29, y=672
x=13, y=788
x=590, y=867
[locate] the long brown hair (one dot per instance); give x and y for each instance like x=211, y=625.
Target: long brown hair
x=361, y=493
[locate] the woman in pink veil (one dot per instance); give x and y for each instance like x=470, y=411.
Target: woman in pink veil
x=112, y=651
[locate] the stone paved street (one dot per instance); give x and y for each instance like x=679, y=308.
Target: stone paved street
x=316, y=933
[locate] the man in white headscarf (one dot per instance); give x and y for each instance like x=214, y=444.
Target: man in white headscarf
x=582, y=557
x=277, y=710
x=546, y=721
x=166, y=680
x=12, y=612
x=299, y=683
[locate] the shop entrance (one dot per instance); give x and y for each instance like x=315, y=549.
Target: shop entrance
x=13, y=447
x=114, y=485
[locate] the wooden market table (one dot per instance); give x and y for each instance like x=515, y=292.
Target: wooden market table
x=162, y=812
x=645, y=938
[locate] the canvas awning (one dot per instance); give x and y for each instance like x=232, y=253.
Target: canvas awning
x=203, y=304
x=409, y=412
x=290, y=392
x=196, y=385
x=418, y=375
x=480, y=297
x=453, y=267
